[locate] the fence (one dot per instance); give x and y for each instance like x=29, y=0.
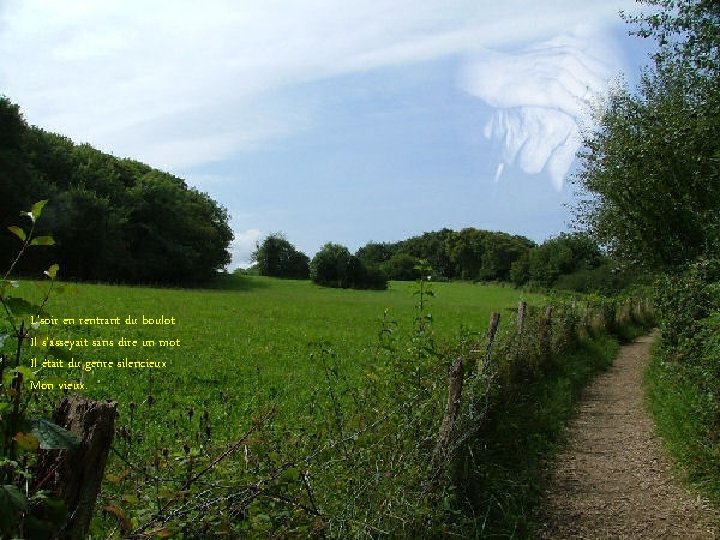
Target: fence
x=382, y=465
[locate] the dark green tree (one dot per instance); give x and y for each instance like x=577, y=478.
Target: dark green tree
x=334, y=266
x=402, y=267
x=329, y=267
x=466, y=251
x=374, y=253
x=651, y=167
x=500, y=251
x=113, y=219
x=277, y=257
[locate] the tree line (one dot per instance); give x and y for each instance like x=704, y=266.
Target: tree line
x=572, y=261
x=113, y=219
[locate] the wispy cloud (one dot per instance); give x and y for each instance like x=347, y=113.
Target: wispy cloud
x=542, y=95
x=182, y=83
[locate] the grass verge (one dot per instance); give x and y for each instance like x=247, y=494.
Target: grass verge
x=677, y=408
x=504, y=474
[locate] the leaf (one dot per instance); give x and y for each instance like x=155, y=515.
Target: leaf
x=11, y=496
x=52, y=436
x=27, y=441
x=119, y=513
x=21, y=307
x=52, y=271
x=37, y=208
x=42, y=241
x=26, y=371
x=290, y=475
x=17, y=231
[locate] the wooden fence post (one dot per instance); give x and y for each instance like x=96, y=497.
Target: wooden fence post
x=546, y=334
x=518, y=338
x=442, y=446
x=76, y=474
x=521, y=315
x=492, y=330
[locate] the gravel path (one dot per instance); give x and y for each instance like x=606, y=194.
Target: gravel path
x=614, y=480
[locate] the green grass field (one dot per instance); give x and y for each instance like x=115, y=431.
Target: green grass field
x=249, y=340
x=244, y=344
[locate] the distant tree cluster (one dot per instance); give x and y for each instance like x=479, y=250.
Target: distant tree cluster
x=572, y=261
x=469, y=254
x=113, y=219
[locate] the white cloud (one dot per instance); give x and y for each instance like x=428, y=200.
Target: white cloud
x=243, y=246
x=541, y=96
x=184, y=83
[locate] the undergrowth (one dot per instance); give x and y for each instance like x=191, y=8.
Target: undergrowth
x=676, y=405
x=504, y=471
x=683, y=379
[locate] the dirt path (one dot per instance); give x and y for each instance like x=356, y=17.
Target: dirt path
x=614, y=480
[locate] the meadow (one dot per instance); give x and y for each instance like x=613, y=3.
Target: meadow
x=290, y=409
x=251, y=338
x=244, y=345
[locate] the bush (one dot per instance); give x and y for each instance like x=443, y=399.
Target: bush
x=334, y=266
x=601, y=280
x=401, y=267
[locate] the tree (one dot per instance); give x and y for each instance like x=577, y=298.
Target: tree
x=329, y=267
x=651, y=167
x=279, y=258
x=402, y=267
x=334, y=266
x=500, y=251
x=466, y=249
x=548, y=261
x=113, y=219
x=374, y=253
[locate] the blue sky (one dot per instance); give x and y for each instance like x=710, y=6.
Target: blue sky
x=327, y=120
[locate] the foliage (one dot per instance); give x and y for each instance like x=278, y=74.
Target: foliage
x=402, y=267
x=687, y=33
x=468, y=254
x=334, y=266
x=651, y=167
x=26, y=509
x=113, y=219
x=684, y=379
x=277, y=257
x=607, y=279
x=304, y=442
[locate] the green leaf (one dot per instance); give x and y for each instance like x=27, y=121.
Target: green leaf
x=20, y=307
x=52, y=436
x=52, y=271
x=11, y=496
x=27, y=373
x=42, y=241
x=17, y=231
x=37, y=208
x=290, y=475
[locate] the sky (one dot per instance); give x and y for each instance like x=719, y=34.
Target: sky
x=332, y=121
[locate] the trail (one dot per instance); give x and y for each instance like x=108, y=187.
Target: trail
x=614, y=479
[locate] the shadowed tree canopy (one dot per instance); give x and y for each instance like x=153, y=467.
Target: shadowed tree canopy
x=113, y=219
x=277, y=257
